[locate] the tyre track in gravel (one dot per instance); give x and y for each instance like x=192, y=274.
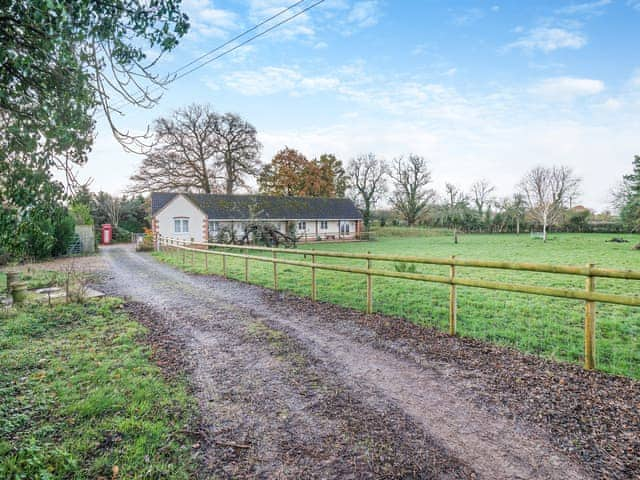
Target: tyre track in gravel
x=314, y=399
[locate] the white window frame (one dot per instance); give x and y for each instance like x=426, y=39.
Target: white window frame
x=345, y=228
x=324, y=225
x=302, y=225
x=182, y=223
x=214, y=227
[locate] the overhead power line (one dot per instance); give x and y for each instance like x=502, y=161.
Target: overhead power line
x=250, y=39
x=176, y=73
x=240, y=35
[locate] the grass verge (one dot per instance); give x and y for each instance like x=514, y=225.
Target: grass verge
x=81, y=398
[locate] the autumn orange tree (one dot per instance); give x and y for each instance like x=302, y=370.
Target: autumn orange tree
x=290, y=173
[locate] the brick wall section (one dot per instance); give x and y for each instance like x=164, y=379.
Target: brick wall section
x=205, y=229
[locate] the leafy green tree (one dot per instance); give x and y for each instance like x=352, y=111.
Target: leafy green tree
x=81, y=213
x=628, y=197
x=134, y=214
x=61, y=60
x=33, y=221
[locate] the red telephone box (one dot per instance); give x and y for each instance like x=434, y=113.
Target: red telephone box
x=107, y=234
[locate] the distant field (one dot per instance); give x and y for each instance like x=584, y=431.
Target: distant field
x=547, y=326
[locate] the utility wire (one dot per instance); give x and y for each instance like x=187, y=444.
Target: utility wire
x=228, y=51
x=240, y=35
x=264, y=32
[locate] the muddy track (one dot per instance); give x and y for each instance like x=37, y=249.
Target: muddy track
x=292, y=389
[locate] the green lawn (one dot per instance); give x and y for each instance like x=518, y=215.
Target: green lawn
x=543, y=325
x=80, y=397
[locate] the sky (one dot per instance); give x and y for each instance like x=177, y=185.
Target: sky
x=480, y=89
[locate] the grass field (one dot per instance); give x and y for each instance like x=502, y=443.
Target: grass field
x=543, y=325
x=81, y=397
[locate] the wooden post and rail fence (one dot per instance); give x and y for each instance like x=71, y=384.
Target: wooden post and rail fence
x=589, y=295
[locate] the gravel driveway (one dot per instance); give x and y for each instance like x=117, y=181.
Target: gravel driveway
x=294, y=389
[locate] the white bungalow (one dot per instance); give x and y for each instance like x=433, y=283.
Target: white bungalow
x=199, y=217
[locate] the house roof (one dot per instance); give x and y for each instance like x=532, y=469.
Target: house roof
x=264, y=207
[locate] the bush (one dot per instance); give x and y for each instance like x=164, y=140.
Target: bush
x=405, y=267
x=146, y=245
x=121, y=235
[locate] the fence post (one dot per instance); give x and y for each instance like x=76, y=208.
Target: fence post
x=275, y=271
x=206, y=261
x=193, y=261
x=184, y=253
x=314, y=290
x=224, y=262
x=452, y=298
x=590, y=324
x=246, y=266
x=369, y=287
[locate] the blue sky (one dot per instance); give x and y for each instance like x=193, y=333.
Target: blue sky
x=481, y=89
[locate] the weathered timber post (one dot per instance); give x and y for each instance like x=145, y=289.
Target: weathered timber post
x=224, y=263
x=314, y=290
x=369, y=287
x=590, y=324
x=246, y=266
x=275, y=271
x=452, y=298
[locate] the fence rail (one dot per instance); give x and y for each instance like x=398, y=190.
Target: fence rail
x=589, y=295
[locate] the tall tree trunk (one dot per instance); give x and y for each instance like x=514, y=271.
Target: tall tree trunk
x=517, y=226
x=229, y=179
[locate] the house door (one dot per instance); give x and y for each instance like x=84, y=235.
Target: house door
x=344, y=229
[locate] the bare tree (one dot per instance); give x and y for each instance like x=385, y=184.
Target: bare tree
x=481, y=191
x=411, y=176
x=238, y=150
x=453, y=194
x=368, y=183
x=183, y=158
x=455, y=207
x=546, y=190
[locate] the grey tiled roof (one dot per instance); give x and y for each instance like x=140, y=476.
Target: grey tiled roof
x=238, y=207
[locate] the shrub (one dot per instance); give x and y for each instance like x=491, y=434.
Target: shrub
x=405, y=267
x=121, y=234
x=146, y=245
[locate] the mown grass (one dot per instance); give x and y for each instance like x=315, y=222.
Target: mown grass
x=546, y=326
x=81, y=398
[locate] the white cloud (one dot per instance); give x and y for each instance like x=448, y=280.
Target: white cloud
x=635, y=78
x=587, y=8
x=208, y=21
x=364, y=14
x=320, y=45
x=338, y=15
x=612, y=104
x=272, y=80
x=635, y=4
x=567, y=89
x=548, y=39
x=301, y=26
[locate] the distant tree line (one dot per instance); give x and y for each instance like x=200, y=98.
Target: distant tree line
x=200, y=150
